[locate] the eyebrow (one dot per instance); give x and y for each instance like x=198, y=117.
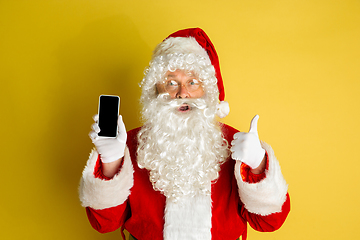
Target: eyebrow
x=173, y=75
x=192, y=74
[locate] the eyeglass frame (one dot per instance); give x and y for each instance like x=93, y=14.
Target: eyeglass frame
x=186, y=85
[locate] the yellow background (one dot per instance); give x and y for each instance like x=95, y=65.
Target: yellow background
x=295, y=63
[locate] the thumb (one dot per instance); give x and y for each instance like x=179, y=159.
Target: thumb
x=253, y=125
x=121, y=129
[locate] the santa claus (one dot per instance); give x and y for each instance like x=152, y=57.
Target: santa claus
x=183, y=175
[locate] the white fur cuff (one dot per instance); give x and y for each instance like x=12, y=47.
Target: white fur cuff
x=267, y=196
x=99, y=194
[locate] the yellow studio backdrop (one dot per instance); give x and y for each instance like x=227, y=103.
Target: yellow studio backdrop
x=295, y=63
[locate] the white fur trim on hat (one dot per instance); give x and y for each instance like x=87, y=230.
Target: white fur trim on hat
x=99, y=194
x=180, y=45
x=223, y=109
x=268, y=195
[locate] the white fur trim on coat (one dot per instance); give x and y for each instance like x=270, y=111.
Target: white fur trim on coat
x=189, y=218
x=268, y=195
x=99, y=194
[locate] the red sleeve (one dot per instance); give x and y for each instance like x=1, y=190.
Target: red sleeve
x=108, y=219
x=98, y=171
x=270, y=222
x=260, y=223
x=248, y=176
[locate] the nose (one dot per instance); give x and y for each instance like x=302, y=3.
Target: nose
x=182, y=92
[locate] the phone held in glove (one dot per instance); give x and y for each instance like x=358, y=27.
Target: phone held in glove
x=108, y=115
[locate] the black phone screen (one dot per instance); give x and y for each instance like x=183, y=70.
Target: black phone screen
x=108, y=115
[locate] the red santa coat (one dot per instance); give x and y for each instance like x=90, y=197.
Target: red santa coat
x=238, y=197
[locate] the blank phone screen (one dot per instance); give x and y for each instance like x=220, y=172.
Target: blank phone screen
x=108, y=115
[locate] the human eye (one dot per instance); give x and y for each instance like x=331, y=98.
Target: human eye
x=171, y=83
x=193, y=82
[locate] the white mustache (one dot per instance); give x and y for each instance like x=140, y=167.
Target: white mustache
x=198, y=103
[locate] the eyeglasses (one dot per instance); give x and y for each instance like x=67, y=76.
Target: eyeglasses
x=191, y=85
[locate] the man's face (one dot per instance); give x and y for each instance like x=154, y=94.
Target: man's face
x=181, y=84
x=181, y=143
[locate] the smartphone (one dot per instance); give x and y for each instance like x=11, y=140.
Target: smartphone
x=108, y=115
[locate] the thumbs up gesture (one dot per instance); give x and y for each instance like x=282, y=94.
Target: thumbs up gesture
x=246, y=146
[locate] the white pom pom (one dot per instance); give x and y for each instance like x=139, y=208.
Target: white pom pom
x=223, y=109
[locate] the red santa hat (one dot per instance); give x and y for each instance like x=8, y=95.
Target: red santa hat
x=203, y=47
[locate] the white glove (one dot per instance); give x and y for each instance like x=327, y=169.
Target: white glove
x=246, y=146
x=110, y=149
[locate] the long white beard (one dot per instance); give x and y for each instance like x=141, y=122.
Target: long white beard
x=182, y=150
